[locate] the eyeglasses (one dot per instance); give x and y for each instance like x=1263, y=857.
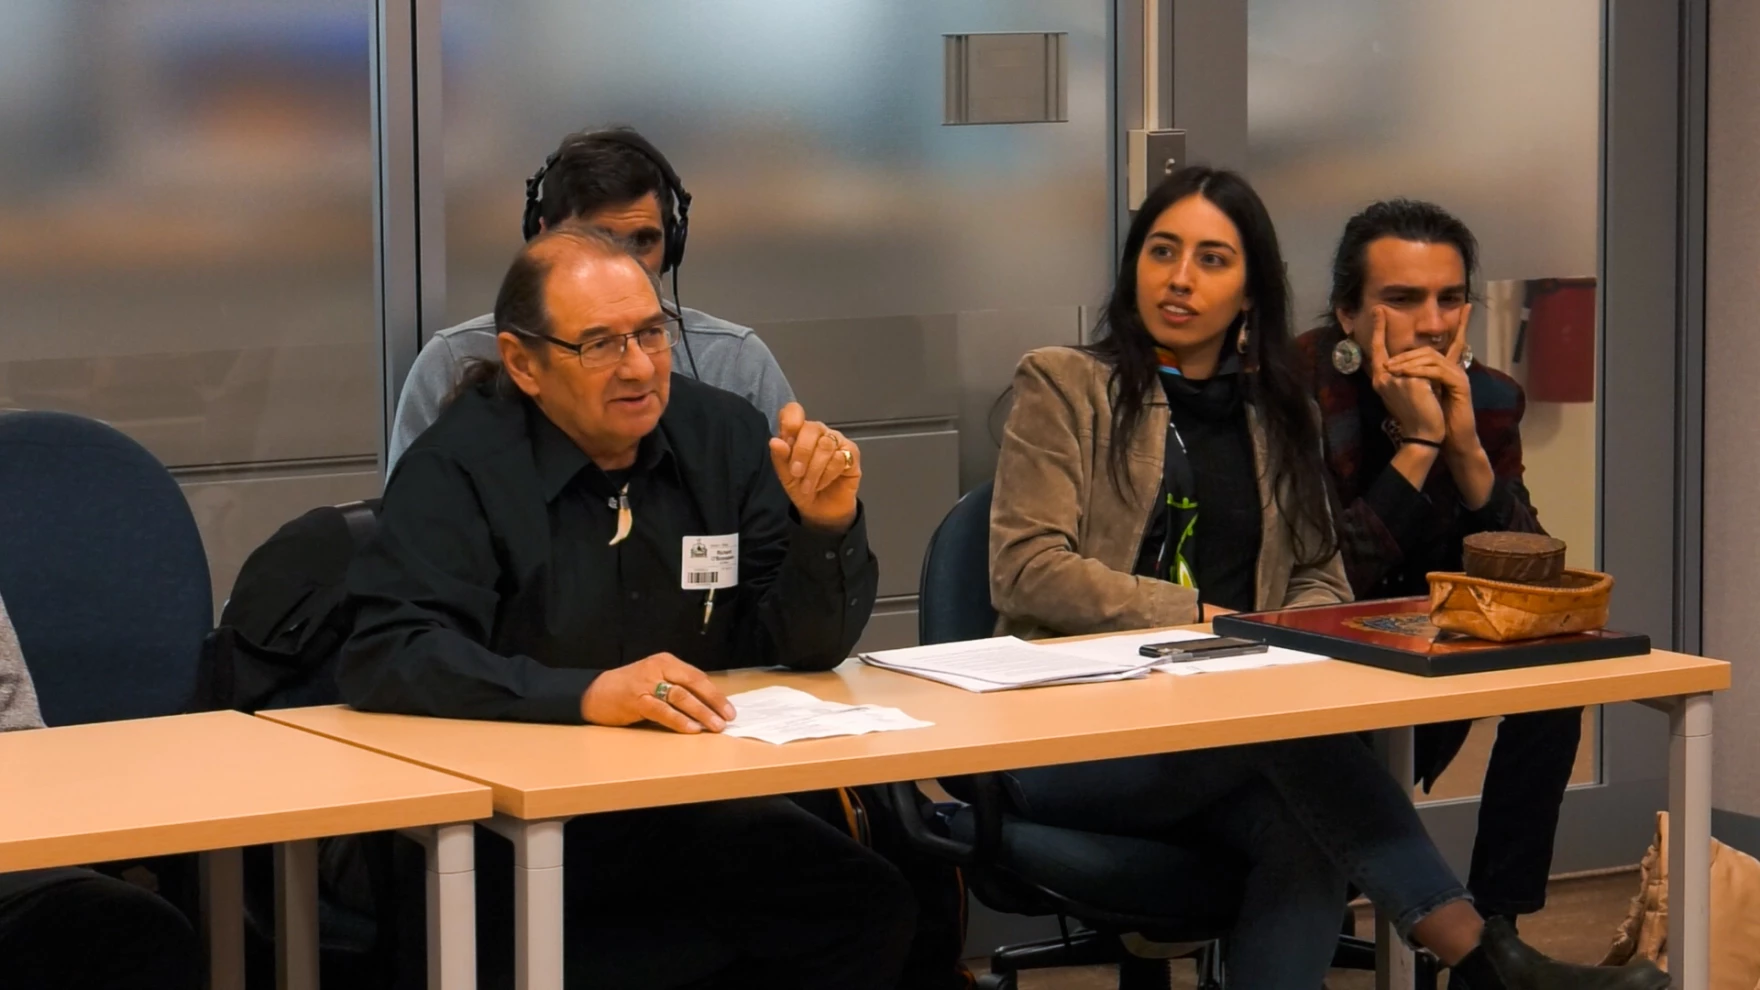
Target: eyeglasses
x=605, y=350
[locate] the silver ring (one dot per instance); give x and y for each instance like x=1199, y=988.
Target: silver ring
x=662, y=689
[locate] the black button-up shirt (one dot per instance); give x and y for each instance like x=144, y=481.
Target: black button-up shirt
x=492, y=590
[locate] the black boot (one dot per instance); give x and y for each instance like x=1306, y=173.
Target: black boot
x=1503, y=962
x=1457, y=977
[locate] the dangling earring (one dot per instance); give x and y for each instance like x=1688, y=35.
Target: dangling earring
x=1240, y=340
x=1466, y=357
x=1347, y=357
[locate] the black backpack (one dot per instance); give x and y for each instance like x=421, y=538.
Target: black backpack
x=280, y=632
x=276, y=646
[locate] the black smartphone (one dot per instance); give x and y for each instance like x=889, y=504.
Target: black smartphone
x=1207, y=648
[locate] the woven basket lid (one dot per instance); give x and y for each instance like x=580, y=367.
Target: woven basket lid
x=1513, y=544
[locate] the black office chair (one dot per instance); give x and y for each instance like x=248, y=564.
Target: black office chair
x=1107, y=883
x=1111, y=884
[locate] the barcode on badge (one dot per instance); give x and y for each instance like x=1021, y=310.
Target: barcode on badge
x=704, y=577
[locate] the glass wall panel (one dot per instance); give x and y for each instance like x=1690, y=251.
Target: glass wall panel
x=186, y=231
x=810, y=133
x=1492, y=109
x=186, y=223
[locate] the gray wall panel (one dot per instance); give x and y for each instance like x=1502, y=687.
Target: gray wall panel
x=1638, y=313
x=942, y=367
x=870, y=369
x=1600, y=827
x=991, y=343
x=893, y=625
x=236, y=514
x=1732, y=404
x=909, y=481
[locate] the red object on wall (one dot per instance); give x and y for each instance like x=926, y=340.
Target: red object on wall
x=1559, y=339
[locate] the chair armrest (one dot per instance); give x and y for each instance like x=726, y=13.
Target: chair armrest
x=989, y=801
x=905, y=803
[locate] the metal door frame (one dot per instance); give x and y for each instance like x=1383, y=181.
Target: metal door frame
x=409, y=206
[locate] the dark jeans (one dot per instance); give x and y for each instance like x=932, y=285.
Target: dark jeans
x=74, y=929
x=1306, y=815
x=755, y=893
x=1518, y=809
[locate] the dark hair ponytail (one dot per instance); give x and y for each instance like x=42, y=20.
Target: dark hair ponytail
x=1270, y=381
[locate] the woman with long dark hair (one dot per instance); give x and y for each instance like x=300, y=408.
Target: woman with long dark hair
x=1170, y=470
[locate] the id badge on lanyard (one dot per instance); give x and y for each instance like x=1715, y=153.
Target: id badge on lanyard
x=1177, y=559
x=708, y=563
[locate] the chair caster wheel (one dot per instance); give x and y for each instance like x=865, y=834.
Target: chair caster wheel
x=996, y=981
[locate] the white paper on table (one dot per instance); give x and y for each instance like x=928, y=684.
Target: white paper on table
x=780, y=715
x=1005, y=662
x=1118, y=648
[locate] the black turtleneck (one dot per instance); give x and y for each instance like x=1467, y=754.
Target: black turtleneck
x=1211, y=418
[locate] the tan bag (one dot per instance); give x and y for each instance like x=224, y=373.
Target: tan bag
x=1735, y=914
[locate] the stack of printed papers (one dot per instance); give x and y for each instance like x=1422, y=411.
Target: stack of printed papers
x=782, y=714
x=1006, y=662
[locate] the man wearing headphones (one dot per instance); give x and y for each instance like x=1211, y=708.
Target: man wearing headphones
x=616, y=181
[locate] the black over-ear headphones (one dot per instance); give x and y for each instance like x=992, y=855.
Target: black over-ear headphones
x=675, y=224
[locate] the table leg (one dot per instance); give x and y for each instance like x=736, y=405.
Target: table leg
x=452, y=904
x=223, y=909
x=1689, y=841
x=537, y=907
x=1394, y=966
x=296, y=915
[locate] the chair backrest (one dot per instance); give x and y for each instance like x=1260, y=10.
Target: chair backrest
x=102, y=569
x=954, y=593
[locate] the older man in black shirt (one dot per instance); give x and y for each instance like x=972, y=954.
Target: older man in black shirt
x=577, y=538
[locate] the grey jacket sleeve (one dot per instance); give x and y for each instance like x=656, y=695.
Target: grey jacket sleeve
x=431, y=379
x=18, y=698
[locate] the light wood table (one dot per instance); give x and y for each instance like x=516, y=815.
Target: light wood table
x=216, y=782
x=542, y=775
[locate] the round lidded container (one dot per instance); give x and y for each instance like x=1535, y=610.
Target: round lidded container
x=1527, y=558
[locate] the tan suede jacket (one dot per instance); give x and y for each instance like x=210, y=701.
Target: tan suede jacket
x=1063, y=540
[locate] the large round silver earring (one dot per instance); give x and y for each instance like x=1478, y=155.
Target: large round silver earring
x=1347, y=357
x=1466, y=357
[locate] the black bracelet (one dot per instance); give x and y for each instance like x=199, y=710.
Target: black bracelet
x=1420, y=441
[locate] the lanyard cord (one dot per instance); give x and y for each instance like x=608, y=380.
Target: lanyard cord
x=1172, y=560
